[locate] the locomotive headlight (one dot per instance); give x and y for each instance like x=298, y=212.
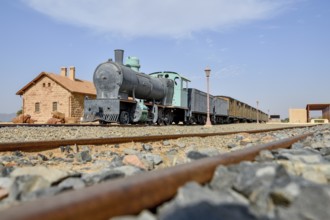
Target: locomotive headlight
x=101, y=78
x=107, y=80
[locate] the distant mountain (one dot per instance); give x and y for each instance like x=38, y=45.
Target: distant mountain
x=7, y=117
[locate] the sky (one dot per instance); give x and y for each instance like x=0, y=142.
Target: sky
x=273, y=52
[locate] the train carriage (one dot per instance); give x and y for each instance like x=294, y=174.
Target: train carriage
x=197, y=102
x=242, y=112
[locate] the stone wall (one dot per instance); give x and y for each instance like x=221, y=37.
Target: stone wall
x=45, y=91
x=77, y=106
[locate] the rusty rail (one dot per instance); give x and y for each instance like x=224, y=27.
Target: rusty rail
x=132, y=194
x=71, y=125
x=50, y=144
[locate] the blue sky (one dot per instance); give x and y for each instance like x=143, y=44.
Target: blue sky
x=276, y=52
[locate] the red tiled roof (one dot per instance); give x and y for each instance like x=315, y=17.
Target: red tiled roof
x=74, y=86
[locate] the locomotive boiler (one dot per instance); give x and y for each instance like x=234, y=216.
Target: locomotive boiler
x=125, y=95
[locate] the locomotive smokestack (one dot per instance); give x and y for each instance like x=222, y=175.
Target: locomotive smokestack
x=119, y=56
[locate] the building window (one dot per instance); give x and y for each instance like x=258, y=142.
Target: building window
x=37, y=107
x=44, y=85
x=48, y=84
x=54, y=106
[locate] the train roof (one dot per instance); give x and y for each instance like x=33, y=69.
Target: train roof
x=231, y=98
x=223, y=96
x=184, y=78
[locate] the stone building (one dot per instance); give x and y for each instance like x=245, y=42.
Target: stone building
x=50, y=92
x=297, y=116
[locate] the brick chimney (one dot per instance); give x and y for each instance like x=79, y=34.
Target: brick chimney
x=63, y=71
x=72, y=74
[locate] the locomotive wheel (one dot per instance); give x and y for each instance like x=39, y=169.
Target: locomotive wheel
x=201, y=119
x=168, y=119
x=160, y=120
x=124, y=117
x=188, y=122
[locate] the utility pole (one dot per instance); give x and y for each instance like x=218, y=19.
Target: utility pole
x=257, y=112
x=208, y=73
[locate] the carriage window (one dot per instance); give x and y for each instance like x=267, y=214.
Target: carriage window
x=186, y=83
x=176, y=80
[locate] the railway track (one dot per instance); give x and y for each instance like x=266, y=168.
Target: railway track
x=71, y=125
x=94, y=125
x=86, y=125
x=132, y=194
x=49, y=144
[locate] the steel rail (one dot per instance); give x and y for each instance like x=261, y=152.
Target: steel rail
x=3, y=125
x=132, y=194
x=50, y=144
x=70, y=125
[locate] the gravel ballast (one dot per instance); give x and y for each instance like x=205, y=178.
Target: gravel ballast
x=20, y=133
x=27, y=176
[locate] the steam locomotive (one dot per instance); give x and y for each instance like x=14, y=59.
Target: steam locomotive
x=125, y=95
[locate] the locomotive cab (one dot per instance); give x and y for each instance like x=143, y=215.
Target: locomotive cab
x=178, y=111
x=180, y=87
